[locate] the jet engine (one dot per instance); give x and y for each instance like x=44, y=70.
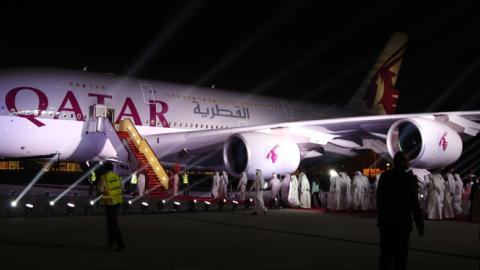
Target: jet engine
x=427, y=143
x=246, y=152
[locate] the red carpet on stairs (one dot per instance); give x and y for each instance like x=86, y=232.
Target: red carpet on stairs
x=151, y=177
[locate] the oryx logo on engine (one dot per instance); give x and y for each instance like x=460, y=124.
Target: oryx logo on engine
x=272, y=154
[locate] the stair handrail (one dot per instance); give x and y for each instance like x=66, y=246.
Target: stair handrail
x=143, y=147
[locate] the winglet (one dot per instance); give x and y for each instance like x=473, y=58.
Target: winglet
x=377, y=93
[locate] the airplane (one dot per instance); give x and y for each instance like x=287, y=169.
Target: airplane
x=59, y=113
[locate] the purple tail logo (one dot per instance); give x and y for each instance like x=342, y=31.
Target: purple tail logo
x=443, y=142
x=272, y=154
x=385, y=76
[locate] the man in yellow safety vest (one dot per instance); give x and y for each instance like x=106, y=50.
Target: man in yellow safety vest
x=185, y=183
x=133, y=183
x=110, y=185
x=91, y=180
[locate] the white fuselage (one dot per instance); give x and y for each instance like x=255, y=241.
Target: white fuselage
x=43, y=112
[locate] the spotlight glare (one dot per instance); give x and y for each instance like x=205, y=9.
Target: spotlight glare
x=333, y=173
x=28, y=209
x=144, y=207
x=160, y=205
x=70, y=208
x=176, y=205
x=129, y=201
x=206, y=205
x=13, y=204
x=92, y=203
x=234, y=204
x=52, y=203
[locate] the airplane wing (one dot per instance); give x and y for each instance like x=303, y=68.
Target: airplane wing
x=316, y=138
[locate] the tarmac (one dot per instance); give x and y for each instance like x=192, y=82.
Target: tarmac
x=228, y=239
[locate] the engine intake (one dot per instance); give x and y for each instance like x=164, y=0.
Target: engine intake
x=427, y=143
x=246, y=152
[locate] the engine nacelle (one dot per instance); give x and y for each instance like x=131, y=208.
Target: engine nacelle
x=246, y=152
x=428, y=144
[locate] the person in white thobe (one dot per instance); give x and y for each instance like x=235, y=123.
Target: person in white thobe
x=215, y=185
x=175, y=184
x=366, y=190
x=346, y=193
x=373, y=193
x=285, y=189
x=242, y=185
x=334, y=195
x=457, y=195
x=293, y=192
x=259, y=185
x=224, y=183
x=435, y=194
x=449, y=184
x=305, y=199
x=275, y=186
x=141, y=184
x=357, y=190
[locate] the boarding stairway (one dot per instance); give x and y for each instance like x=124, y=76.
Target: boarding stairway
x=156, y=177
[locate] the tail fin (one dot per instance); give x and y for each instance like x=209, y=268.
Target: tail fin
x=377, y=93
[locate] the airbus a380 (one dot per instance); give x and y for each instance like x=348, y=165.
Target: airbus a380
x=50, y=112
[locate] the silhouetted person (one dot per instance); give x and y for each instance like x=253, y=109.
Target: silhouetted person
x=110, y=185
x=397, y=201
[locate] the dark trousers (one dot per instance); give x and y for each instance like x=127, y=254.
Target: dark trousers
x=393, y=248
x=316, y=198
x=113, y=230
x=186, y=189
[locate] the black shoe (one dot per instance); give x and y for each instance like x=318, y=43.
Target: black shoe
x=119, y=248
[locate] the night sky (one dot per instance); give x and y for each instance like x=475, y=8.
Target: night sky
x=312, y=50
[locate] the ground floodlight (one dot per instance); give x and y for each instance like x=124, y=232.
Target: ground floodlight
x=176, y=205
x=206, y=205
x=221, y=204
x=234, y=204
x=11, y=211
x=144, y=208
x=49, y=208
x=160, y=205
x=89, y=207
x=191, y=205
x=28, y=209
x=248, y=203
x=70, y=208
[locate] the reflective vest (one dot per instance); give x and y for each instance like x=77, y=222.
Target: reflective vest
x=93, y=177
x=113, y=188
x=134, y=179
x=185, y=179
